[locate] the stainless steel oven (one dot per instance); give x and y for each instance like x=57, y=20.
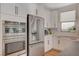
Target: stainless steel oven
x=14, y=47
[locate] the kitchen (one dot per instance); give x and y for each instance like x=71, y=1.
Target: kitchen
x=54, y=22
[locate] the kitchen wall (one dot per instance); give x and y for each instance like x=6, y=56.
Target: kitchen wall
x=56, y=16
x=60, y=40
x=64, y=38
x=51, y=19
x=7, y=12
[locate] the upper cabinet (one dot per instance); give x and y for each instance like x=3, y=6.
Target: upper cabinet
x=18, y=11
x=13, y=12
x=45, y=13
x=39, y=10
x=32, y=8
x=21, y=9
x=54, y=19
x=8, y=8
x=14, y=9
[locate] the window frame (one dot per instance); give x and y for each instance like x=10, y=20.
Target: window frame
x=67, y=21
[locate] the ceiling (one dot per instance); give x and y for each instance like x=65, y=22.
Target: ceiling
x=55, y=5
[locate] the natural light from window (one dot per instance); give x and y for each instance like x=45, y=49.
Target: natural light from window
x=67, y=26
x=67, y=20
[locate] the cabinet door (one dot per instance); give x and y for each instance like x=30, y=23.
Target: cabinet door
x=48, y=43
x=36, y=49
x=61, y=44
x=64, y=43
x=56, y=45
x=8, y=8
x=32, y=8
x=20, y=10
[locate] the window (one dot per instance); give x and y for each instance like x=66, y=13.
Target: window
x=67, y=20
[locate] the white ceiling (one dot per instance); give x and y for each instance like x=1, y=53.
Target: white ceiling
x=55, y=5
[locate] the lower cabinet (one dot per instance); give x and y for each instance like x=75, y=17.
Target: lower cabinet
x=48, y=42
x=55, y=43
x=59, y=43
x=65, y=43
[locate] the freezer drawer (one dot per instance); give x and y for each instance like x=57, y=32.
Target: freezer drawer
x=36, y=49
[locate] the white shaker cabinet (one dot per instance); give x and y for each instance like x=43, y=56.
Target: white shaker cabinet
x=65, y=43
x=14, y=9
x=8, y=8
x=21, y=9
x=62, y=43
x=55, y=43
x=59, y=43
x=48, y=42
x=32, y=8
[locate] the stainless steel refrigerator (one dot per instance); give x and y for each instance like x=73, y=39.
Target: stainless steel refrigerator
x=35, y=35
